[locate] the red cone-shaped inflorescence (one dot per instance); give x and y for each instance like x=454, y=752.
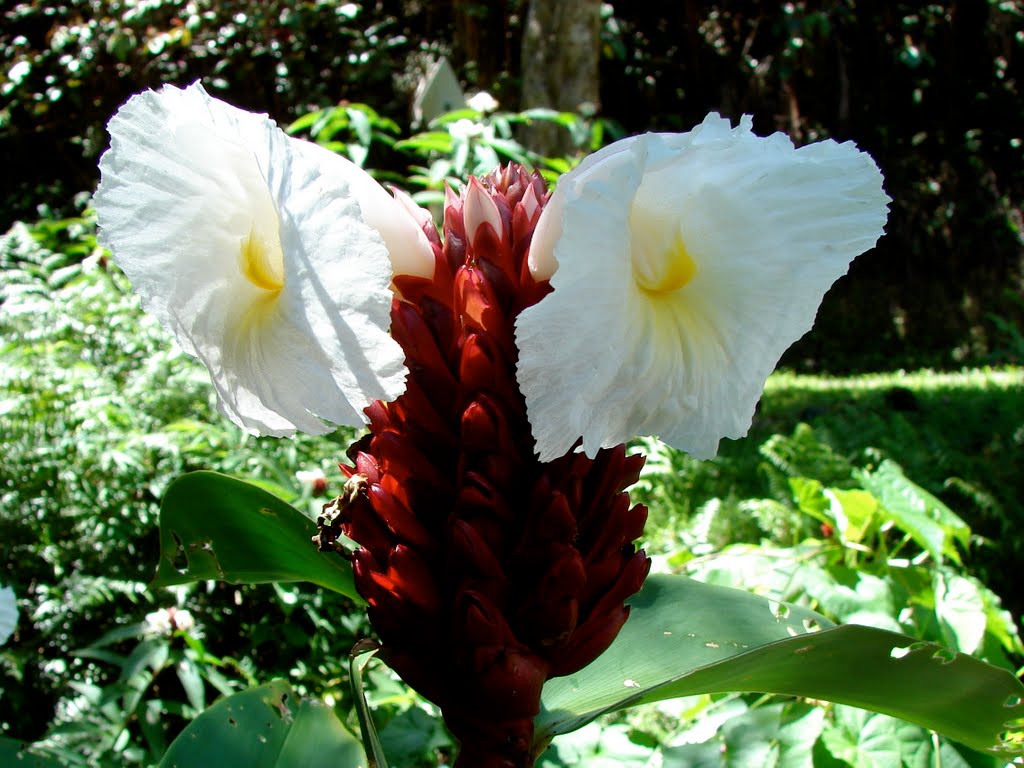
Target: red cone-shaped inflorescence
x=486, y=571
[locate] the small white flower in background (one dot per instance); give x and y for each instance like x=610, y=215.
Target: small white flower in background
x=158, y=622
x=314, y=479
x=8, y=614
x=683, y=266
x=166, y=620
x=269, y=258
x=482, y=102
x=181, y=619
x=465, y=128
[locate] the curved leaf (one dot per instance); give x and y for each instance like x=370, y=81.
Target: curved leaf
x=265, y=727
x=215, y=527
x=358, y=658
x=684, y=638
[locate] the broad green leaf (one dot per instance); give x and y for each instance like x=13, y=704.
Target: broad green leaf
x=864, y=739
x=810, y=499
x=215, y=527
x=676, y=626
x=856, y=597
x=870, y=740
x=960, y=609
x=930, y=523
x=684, y=637
x=783, y=573
x=17, y=753
x=431, y=141
x=265, y=727
x=780, y=735
x=454, y=116
x=594, y=746
x=853, y=512
x=414, y=738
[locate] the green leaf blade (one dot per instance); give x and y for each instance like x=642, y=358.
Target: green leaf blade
x=265, y=727
x=229, y=530
x=659, y=658
x=676, y=625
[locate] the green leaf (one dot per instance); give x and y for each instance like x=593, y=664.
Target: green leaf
x=215, y=527
x=870, y=740
x=566, y=119
x=596, y=747
x=304, y=122
x=684, y=638
x=265, y=727
x=676, y=626
x=454, y=116
x=361, y=125
x=782, y=735
x=432, y=141
x=192, y=683
x=853, y=512
x=861, y=738
x=14, y=752
x=415, y=738
x=151, y=653
x=960, y=609
x=930, y=523
x=810, y=499
x=358, y=658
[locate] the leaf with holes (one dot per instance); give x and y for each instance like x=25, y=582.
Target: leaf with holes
x=215, y=527
x=684, y=637
x=265, y=727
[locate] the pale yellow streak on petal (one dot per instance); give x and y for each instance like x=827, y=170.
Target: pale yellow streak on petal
x=262, y=262
x=665, y=272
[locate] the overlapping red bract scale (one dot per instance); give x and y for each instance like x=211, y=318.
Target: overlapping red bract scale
x=486, y=571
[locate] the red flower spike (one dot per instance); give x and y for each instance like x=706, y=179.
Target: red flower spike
x=486, y=572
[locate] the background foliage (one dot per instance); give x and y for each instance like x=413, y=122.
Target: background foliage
x=100, y=412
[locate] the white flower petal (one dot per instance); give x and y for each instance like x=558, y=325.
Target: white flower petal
x=686, y=265
x=183, y=620
x=158, y=622
x=253, y=249
x=408, y=248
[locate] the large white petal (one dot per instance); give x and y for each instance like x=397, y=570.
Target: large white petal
x=769, y=227
x=188, y=181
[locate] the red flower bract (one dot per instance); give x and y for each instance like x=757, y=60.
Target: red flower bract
x=486, y=571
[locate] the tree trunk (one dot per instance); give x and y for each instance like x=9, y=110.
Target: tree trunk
x=561, y=48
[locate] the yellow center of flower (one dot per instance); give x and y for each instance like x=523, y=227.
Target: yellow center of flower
x=664, y=271
x=262, y=263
